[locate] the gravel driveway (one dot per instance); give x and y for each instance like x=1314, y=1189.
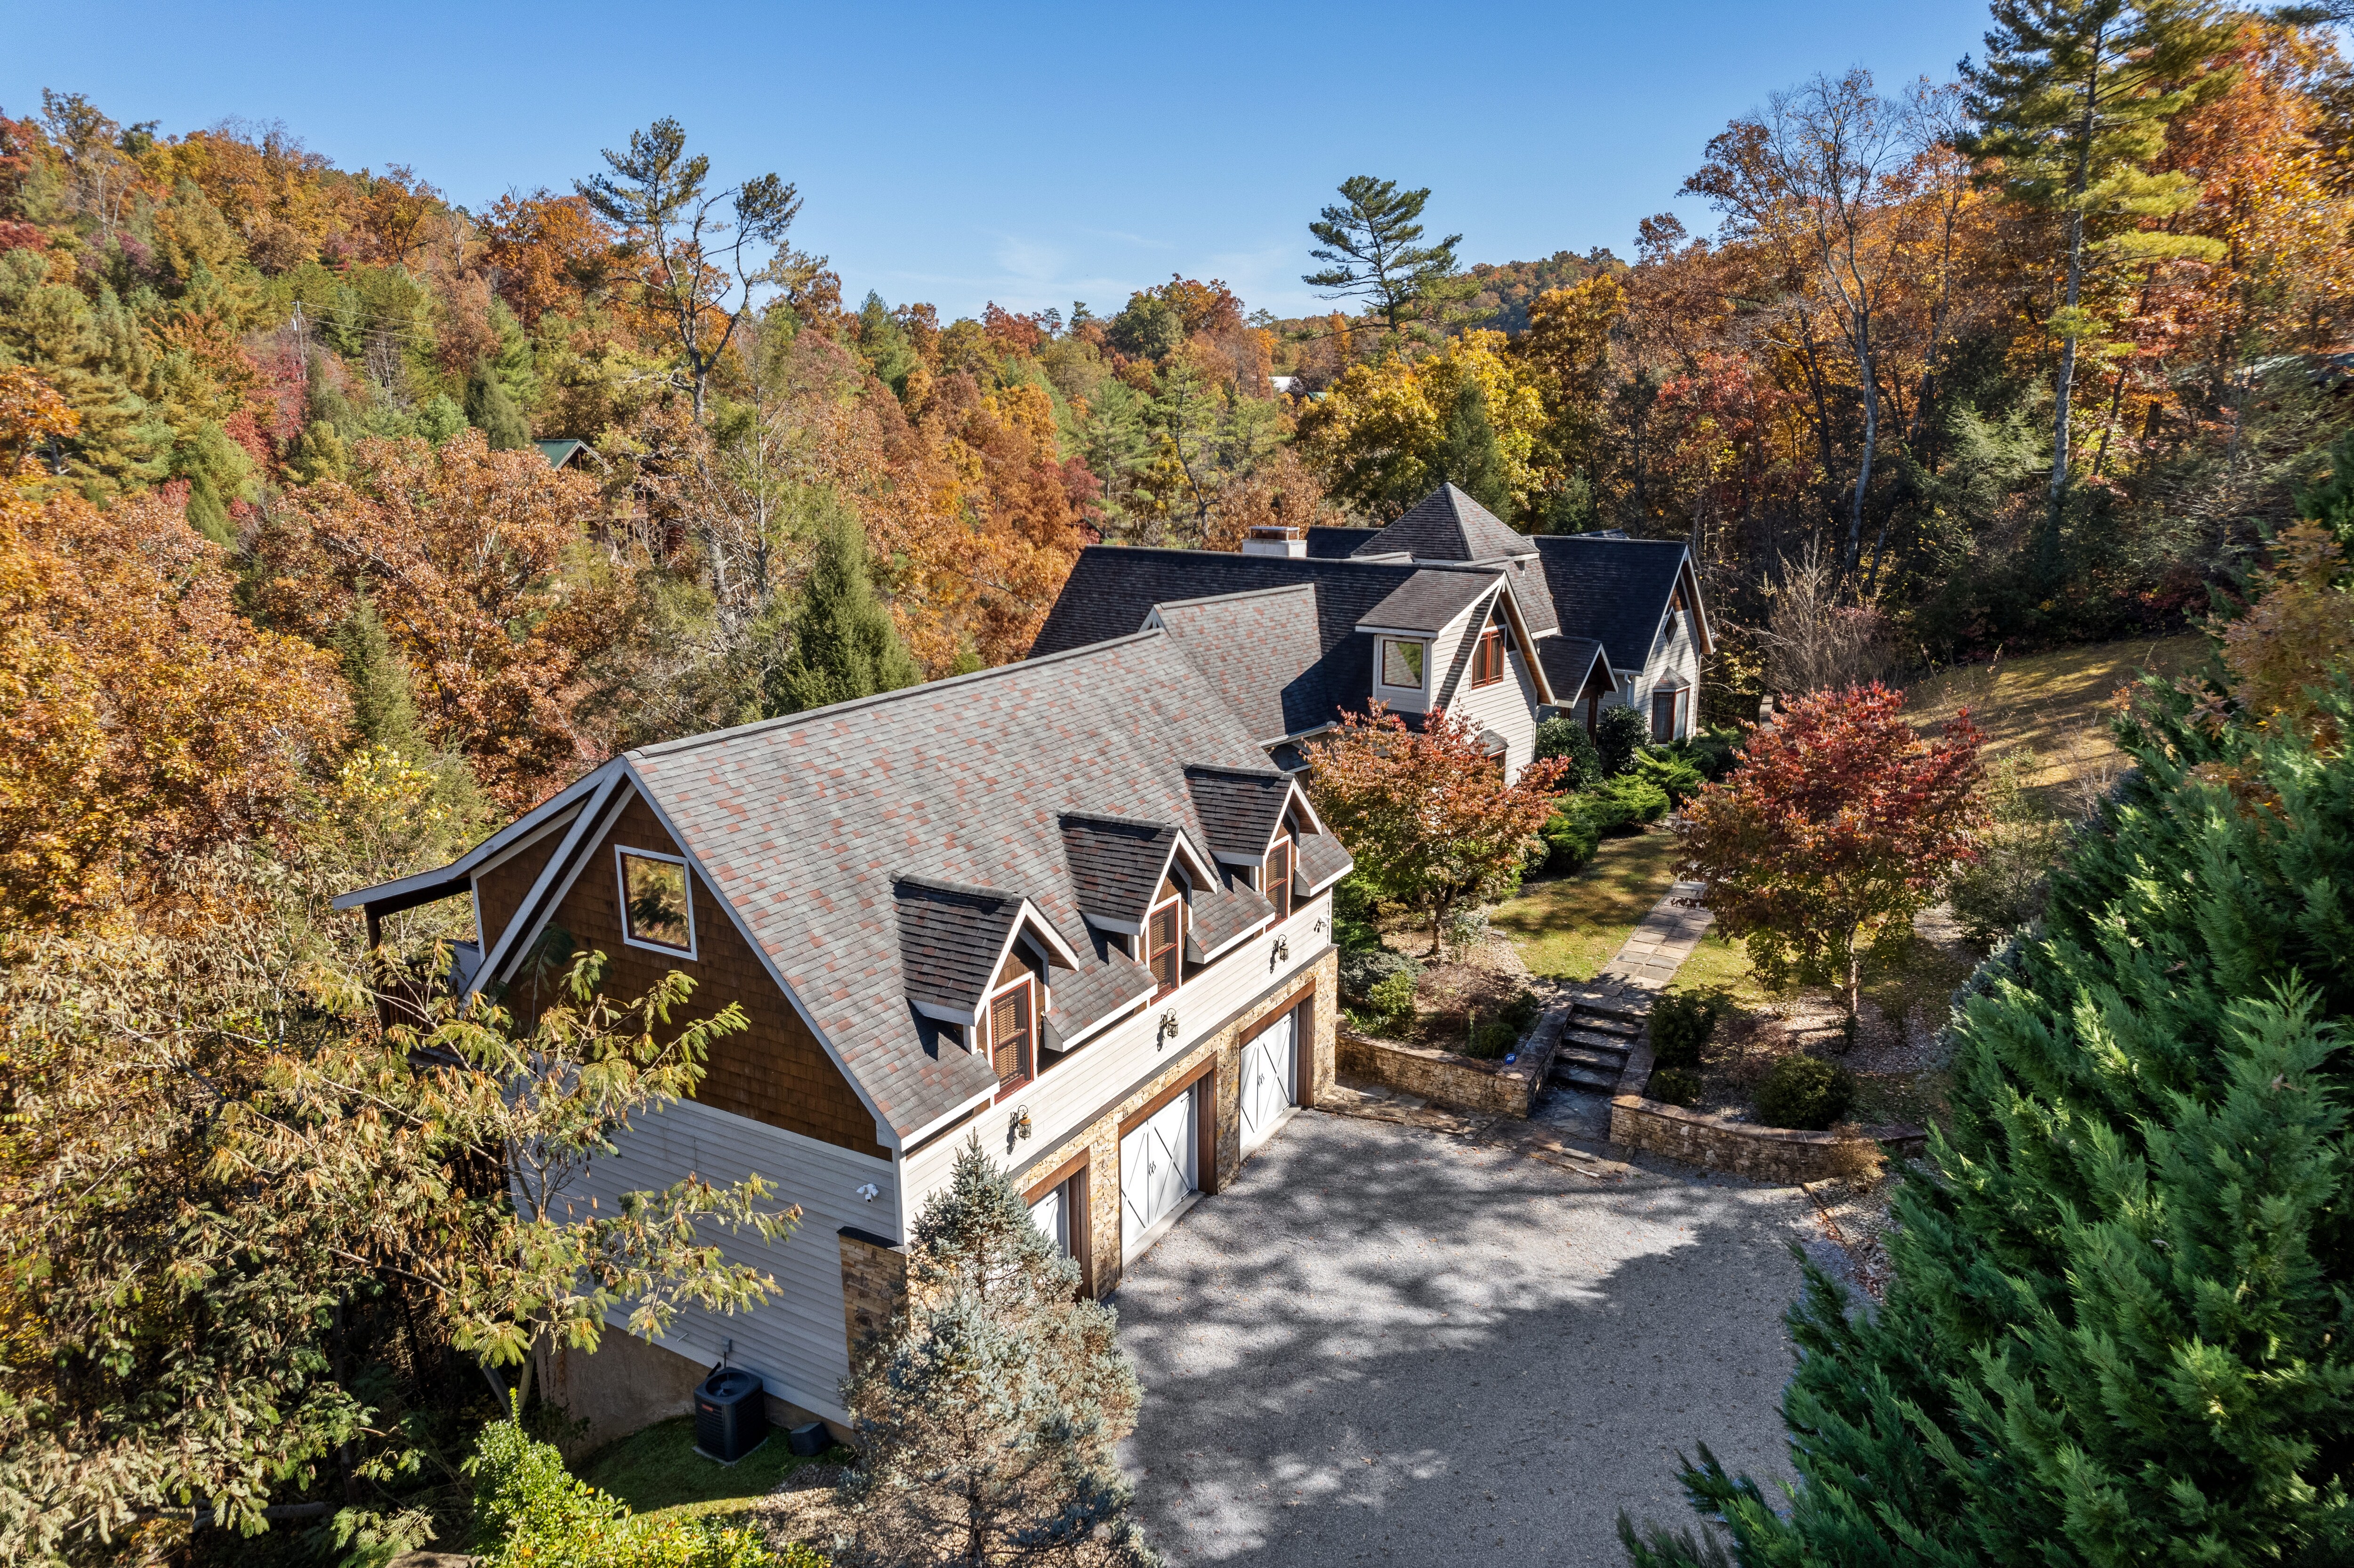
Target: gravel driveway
x=1387, y=1344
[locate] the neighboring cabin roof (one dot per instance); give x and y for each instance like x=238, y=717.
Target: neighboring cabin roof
x=1613, y=589
x=801, y=824
x=560, y=452
x=1428, y=601
x=1448, y=526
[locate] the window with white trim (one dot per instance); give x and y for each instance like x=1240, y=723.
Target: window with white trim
x=1401, y=664
x=656, y=909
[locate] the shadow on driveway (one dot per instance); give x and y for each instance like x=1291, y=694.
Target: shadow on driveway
x=1382, y=1343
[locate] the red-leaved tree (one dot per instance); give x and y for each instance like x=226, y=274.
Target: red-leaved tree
x=1426, y=812
x=1840, y=823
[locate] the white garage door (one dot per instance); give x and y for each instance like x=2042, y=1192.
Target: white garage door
x=1156, y=1172
x=1052, y=1215
x=1269, y=1070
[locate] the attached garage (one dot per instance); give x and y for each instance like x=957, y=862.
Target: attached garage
x=1160, y=1168
x=1268, y=1085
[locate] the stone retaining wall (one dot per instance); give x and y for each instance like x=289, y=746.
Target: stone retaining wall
x=1469, y=1082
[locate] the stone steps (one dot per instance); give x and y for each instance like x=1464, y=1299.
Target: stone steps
x=1595, y=1044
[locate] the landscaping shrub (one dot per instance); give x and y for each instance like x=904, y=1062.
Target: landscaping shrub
x=1624, y=803
x=1807, y=1093
x=1393, y=997
x=1673, y=1086
x=1354, y=926
x=1362, y=971
x=1465, y=929
x=2006, y=890
x=1571, y=836
x=1714, y=752
x=1618, y=735
x=1566, y=739
x=1681, y=1026
x=530, y=1511
x=1678, y=778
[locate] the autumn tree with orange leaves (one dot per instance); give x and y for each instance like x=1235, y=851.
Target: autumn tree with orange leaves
x=1426, y=812
x=1839, y=824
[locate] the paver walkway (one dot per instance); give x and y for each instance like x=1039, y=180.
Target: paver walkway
x=1662, y=942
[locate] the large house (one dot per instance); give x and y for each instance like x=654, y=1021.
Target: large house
x=1448, y=609
x=1065, y=907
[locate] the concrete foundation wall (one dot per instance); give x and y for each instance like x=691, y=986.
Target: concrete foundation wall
x=628, y=1383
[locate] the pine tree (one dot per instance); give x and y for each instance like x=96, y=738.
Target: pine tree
x=384, y=711
x=845, y=645
x=2074, y=98
x=987, y=1417
x=1470, y=456
x=493, y=410
x=2118, y=1329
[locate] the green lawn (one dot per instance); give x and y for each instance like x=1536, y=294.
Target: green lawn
x=1570, y=927
x=657, y=1470
x=2056, y=704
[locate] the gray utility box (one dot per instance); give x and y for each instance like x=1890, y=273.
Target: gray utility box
x=731, y=1414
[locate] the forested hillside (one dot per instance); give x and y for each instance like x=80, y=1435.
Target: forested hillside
x=338, y=523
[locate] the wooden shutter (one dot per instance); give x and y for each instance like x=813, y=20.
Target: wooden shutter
x=1166, y=932
x=1008, y=1034
x=1278, y=877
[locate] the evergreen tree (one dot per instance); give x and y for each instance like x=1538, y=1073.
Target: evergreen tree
x=218, y=470
x=845, y=645
x=1468, y=455
x=986, y=1418
x=493, y=410
x=2073, y=99
x=384, y=711
x=1370, y=246
x=2118, y=1329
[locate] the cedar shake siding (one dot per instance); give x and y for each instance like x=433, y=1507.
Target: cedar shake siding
x=500, y=890
x=774, y=1071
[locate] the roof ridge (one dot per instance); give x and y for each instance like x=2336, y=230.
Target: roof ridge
x=786, y=721
x=959, y=889
x=1239, y=593
x=1238, y=556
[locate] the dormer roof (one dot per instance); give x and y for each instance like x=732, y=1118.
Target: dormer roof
x=1241, y=808
x=953, y=939
x=1427, y=601
x=1447, y=526
x=1117, y=864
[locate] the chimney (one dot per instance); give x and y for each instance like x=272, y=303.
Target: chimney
x=1276, y=541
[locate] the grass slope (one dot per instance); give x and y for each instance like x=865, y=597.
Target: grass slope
x=2055, y=703
x=1571, y=925
x=657, y=1470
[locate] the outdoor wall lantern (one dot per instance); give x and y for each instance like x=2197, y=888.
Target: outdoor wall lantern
x=1167, y=1032
x=1281, y=953
x=870, y=1191
x=1020, y=1126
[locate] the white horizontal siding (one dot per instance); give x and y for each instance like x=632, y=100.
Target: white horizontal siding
x=1509, y=707
x=795, y=1340
x=1062, y=1099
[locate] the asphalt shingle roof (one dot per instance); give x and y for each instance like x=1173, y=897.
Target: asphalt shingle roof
x=1116, y=863
x=810, y=825
x=950, y=936
x=1320, y=863
x=1614, y=590
x=1448, y=526
x=1251, y=645
x=1219, y=913
x=1240, y=807
x=1337, y=542
x=1427, y=601
x=1113, y=588
x=1568, y=661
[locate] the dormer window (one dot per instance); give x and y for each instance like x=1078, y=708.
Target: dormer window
x=1487, y=658
x=1277, y=878
x=1164, y=941
x=1401, y=664
x=1013, y=1034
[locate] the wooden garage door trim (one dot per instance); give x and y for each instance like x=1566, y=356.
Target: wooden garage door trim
x=1274, y=1016
x=1077, y=1215
x=1144, y=1112
x=1303, y=1039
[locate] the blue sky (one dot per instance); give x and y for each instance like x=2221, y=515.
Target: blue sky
x=1030, y=155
